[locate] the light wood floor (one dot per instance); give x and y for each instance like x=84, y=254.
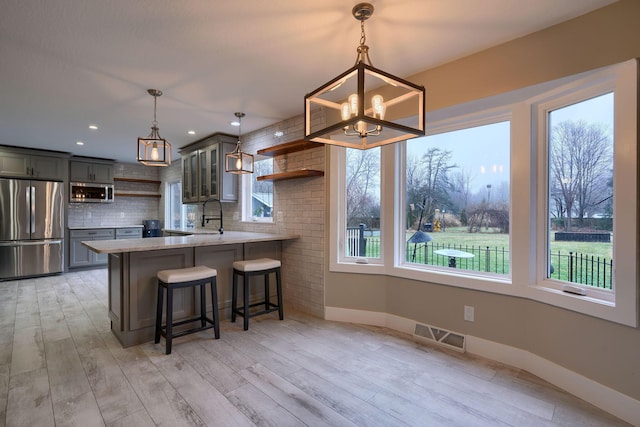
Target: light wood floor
x=60, y=365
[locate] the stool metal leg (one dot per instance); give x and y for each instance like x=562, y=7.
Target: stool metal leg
x=214, y=304
x=266, y=292
x=159, y=313
x=245, y=297
x=203, y=305
x=279, y=290
x=234, y=297
x=169, y=334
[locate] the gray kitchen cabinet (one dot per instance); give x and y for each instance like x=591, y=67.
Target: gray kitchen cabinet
x=129, y=233
x=24, y=164
x=203, y=171
x=80, y=255
x=89, y=171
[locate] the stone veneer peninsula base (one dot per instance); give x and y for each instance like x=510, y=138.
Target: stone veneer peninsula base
x=134, y=263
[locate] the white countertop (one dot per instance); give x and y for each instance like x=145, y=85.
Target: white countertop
x=99, y=227
x=159, y=243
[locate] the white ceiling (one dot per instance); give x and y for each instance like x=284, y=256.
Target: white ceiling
x=65, y=64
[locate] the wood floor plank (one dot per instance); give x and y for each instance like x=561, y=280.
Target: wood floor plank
x=67, y=378
x=260, y=408
x=341, y=401
x=29, y=401
x=59, y=364
x=28, y=350
x=210, y=405
x=294, y=400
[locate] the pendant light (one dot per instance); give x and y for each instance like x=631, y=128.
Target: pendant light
x=238, y=161
x=364, y=107
x=154, y=150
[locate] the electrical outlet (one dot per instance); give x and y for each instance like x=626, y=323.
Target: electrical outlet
x=121, y=214
x=236, y=216
x=469, y=313
x=89, y=214
x=279, y=216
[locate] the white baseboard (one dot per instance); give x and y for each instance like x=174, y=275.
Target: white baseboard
x=605, y=398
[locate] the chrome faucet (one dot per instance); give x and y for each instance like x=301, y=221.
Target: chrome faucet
x=206, y=219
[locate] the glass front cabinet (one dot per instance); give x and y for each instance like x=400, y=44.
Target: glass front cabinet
x=203, y=175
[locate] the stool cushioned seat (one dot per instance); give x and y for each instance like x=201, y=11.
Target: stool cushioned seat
x=256, y=264
x=188, y=277
x=250, y=268
x=186, y=274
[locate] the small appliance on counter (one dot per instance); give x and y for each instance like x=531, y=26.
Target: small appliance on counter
x=151, y=228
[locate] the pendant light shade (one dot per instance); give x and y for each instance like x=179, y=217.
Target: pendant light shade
x=154, y=150
x=364, y=107
x=238, y=161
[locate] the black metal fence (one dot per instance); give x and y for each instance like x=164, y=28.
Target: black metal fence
x=582, y=268
x=477, y=258
x=573, y=267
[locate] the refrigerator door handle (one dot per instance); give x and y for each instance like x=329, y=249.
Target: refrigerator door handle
x=30, y=243
x=33, y=209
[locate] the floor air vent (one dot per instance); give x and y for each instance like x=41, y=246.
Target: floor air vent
x=439, y=336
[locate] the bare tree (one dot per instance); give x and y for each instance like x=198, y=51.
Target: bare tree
x=362, y=185
x=428, y=183
x=461, y=181
x=438, y=186
x=580, y=161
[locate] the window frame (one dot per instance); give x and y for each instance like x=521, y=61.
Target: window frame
x=528, y=216
x=338, y=261
x=619, y=304
x=247, y=199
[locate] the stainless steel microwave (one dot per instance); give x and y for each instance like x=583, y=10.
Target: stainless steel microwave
x=82, y=192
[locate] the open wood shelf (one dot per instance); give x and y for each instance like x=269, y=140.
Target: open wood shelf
x=289, y=147
x=138, y=180
x=301, y=173
x=138, y=195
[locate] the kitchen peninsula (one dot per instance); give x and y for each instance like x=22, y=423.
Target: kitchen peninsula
x=134, y=263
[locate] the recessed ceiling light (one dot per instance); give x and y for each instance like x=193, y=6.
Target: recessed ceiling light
x=79, y=143
x=234, y=123
x=278, y=133
x=93, y=127
x=191, y=132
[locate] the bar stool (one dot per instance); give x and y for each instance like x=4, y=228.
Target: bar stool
x=248, y=269
x=186, y=278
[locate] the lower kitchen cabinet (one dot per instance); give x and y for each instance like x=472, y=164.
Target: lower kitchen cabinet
x=80, y=255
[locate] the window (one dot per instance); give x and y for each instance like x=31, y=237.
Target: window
x=516, y=174
x=258, y=195
x=362, y=234
x=177, y=215
x=356, y=216
x=580, y=193
x=585, y=137
x=457, y=204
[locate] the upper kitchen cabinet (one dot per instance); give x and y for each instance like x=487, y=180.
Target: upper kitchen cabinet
x=20, y=163
x=203, y=174
x=89, y=170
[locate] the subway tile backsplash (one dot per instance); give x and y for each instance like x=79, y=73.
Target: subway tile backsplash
x=124, y=210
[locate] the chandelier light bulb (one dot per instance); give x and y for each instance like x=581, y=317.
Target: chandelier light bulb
x=345, y=111
x=353, y=103
x=239, y=163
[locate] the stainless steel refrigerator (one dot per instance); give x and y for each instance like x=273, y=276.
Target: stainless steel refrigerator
x=31, y=228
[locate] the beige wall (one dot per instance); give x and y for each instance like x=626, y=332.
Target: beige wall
x=606, y=352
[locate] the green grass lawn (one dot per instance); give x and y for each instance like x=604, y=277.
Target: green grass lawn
x=491, y=253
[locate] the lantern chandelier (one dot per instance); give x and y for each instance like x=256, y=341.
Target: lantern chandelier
x=154, y=150
x=238, y=161
x=364, y=107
